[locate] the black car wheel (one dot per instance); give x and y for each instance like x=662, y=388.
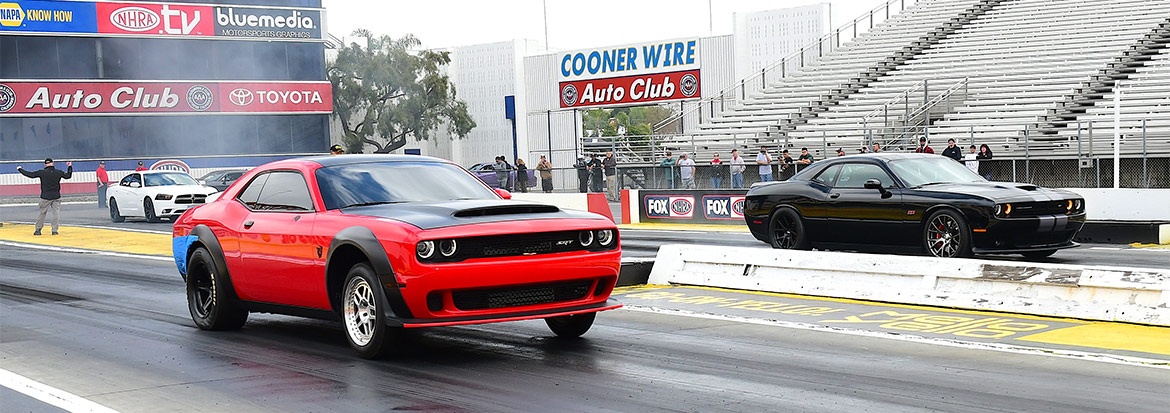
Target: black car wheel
x=365, y=323
x=1035, y=255
x=212, y=306
x=786, y=230
x=148, y=210
x=571, y=326
x=946, y=235
x=115, y=216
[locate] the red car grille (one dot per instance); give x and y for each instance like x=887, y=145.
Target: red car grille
x=520, y=296
x=511, y=245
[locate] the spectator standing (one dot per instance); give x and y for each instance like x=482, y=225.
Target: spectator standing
x=597, y=175
x=876, y=148
x=737, y=168
x=103, y=183
x=50, y=192
x=923, y=147
x=545, y=168
x=140, y=167
x=582, y=175
x=765, y=162
x=610, y=164
x=953, y=151
x=840, y=152
x=333, y=150
x=972, y=160
x=668, y=166
x=716, y=172
x=785, y=164
x=501, y=169
x=521, y=175
x=805, y=157
x=686, y=168
x=984, y=155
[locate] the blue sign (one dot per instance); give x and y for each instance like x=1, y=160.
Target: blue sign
x=509, y=107
x=48, y=16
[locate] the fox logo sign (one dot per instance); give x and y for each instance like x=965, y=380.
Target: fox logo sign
x=723, y=207
x=662, y=206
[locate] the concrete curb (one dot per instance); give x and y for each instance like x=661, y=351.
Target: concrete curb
x=1113, y=294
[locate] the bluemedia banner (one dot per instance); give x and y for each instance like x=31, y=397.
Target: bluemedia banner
x=676, y=206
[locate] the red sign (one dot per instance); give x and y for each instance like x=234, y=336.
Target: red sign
x=24, y=98
x=155, y=19
x=631, y=89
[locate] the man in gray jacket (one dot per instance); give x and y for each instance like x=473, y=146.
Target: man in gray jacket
x=50, y=192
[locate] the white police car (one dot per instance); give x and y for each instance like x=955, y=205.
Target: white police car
x=155, y=195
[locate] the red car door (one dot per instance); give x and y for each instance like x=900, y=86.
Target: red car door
x=278, y=258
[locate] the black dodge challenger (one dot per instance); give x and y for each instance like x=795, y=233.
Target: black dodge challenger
x=911, y=201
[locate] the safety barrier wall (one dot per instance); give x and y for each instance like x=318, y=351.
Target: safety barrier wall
x=1098, y=293
x=591, y=202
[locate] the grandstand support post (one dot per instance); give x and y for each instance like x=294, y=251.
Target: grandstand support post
x=824, y=145
x=548, y=116
x=1080, y=154
x=1145, y=175
x=1091, y=138
x=742, y=91
x=682, y=117
x=971, y=134
x=1027, y=158
x=1117, y=136
x=1013, y=170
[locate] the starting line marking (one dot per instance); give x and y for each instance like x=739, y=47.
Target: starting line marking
x=85, y=251
x=50, y=395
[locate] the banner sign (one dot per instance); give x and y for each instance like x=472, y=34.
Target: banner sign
x=159, y=20
x=24, y=98
x=630, y=89
x=630, y=74
x=711, y=206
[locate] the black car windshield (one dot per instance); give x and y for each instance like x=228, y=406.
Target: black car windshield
x=168, y=178
x=928, y=170
x=396, y=182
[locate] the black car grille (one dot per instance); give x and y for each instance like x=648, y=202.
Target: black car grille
x=520, y=296
x=1031, y=209
x=191, y=199
x=512, y=245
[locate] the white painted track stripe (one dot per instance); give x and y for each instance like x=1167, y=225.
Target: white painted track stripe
x=85, y=251
x=1007, y=348
x=144, y=231
x=94, y=202
x=50, y=395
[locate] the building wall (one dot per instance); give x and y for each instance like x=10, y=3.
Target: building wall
x=765, y=37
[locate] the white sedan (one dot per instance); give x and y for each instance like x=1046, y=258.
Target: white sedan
x=155, y=195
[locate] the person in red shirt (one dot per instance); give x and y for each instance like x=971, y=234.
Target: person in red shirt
x=143, y=168
x=923, y=147
x=103, y=183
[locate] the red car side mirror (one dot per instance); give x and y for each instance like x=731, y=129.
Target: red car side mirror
x=504, y=193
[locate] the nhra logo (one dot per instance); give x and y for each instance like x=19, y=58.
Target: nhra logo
x=241, y=97
x=7, y=98
x=569, y=95
x=134, y=19
x=171, y=165
x=689, y=85
x=723, y=206
x=664, y=206
x=199, y=97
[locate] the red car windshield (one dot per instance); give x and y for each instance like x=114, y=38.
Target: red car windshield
x=397, y=182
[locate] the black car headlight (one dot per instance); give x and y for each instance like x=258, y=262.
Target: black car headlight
x=163, y=197
x=425, y=249
x=585, y=238
x=447, y=247
x=605, y=237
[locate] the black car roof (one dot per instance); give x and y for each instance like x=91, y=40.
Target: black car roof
x=334, y=160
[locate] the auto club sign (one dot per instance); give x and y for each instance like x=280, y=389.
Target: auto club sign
x=24, y=98
x=630, y=74
x=80, y=18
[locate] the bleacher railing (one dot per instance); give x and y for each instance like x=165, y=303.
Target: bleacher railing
x=794, y=62
x=911, y=122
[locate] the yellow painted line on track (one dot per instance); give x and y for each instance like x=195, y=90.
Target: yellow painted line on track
x=91, y=238
x=686, y=227
x=1151, y=246
x=1114, y=336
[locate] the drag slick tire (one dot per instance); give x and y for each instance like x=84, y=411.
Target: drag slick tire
x=786, y=230
x=148, y=211
x=946, y=235
x=361, y=313
x=1035, y=255
x=209, y=296
x=115, y=216
x=571, y=326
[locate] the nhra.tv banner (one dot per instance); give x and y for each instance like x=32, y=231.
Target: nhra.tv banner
x=81, y=18
x=22, y=98
x=631, y=89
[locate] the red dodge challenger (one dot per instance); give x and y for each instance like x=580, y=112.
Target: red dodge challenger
x=384, y=242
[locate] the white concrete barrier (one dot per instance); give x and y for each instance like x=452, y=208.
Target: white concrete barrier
x=591, y=202
x=1125, y=204
x=1098, y=293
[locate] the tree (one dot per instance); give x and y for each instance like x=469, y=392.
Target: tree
x=388, y=92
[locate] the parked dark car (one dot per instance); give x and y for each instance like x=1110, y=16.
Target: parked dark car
x=486, y=172
x=912, y=201
x=222, y=178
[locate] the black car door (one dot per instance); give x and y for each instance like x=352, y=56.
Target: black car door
x=857, y=215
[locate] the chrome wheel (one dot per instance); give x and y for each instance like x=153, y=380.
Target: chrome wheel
x=943, y=236
x=360, y=311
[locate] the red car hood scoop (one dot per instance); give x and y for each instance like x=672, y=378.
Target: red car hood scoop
x=428, y=215
x=506, y=210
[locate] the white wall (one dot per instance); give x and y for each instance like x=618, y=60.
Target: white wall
x=764, y=37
